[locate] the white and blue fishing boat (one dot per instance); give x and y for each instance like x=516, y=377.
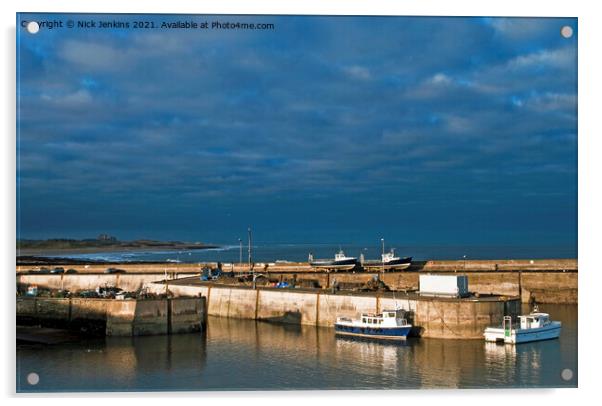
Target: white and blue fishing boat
x=535, y=326
x=388, y=325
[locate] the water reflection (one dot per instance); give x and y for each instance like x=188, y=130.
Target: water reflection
x=114, y=364
x=244, y=354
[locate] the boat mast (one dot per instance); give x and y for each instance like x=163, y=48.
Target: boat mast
x=249, y=250
x=382, y=257
x=251, y=270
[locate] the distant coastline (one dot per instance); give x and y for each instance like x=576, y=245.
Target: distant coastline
x=41, y=260
x=91, y=246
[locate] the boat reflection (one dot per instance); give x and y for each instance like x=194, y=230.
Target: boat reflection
x=523, y=363
x=239, y=354
x=388, y=357
x=363, y=363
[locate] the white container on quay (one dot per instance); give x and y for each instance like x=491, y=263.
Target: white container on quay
x=444, y=285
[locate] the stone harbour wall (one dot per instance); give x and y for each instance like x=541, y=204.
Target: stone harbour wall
x=118, y=317
x=432, y=317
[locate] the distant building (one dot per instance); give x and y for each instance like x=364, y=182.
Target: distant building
x=106, y=237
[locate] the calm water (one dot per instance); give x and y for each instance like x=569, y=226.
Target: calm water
x=299, y=252
x=246, y=355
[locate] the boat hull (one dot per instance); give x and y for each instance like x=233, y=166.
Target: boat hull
x=327, y=262
x=337, y=265
x=397, y=264
x=398, y=267
x=518, y=336
x=379, y=333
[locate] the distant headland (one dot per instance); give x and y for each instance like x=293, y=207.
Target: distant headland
x=101, y=243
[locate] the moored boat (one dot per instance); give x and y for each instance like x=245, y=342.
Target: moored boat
x=535, y=326
x=388, y=325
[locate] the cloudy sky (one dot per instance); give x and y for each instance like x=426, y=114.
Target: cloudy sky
x=324, y=129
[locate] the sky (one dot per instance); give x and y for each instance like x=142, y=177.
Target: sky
x=324, y=129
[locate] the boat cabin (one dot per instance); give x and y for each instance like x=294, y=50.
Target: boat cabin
x=389, y=256
x=340, y=256
x=534, y=320
x=386, y=318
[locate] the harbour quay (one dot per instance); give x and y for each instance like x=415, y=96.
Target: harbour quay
x=183, y=304
x=295, y=293
x=433, y=317
x=553, y=281
x=112, y=317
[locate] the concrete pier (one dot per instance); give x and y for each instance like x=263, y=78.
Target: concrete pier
x=90, y=281
x=433, y=317
x=117, y=317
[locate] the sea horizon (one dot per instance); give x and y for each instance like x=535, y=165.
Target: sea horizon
x=299, y=252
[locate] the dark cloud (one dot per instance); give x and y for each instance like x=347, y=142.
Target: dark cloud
x=374, y=118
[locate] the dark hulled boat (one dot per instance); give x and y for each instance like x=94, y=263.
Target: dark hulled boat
x=390, y=261
x=340, y=261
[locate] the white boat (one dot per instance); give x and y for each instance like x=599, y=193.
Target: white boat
x=388, y=325
x=535, y=326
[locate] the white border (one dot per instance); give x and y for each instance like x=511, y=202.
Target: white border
x=590, y=202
